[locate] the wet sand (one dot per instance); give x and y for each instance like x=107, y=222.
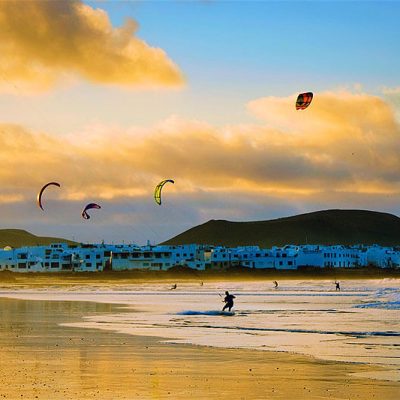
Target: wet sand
x=41, y=360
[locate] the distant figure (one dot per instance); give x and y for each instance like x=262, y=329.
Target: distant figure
x=228, y=300
x=201, y=283
x=174, y=286
x=337, y=286
x=276, y=284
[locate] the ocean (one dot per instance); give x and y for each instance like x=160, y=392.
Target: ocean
x=359, y=324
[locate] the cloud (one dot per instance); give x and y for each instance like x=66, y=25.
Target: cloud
x=336, y=144
x=342, y=151
x=392, y=96
x=391, y=90
x=44, y=42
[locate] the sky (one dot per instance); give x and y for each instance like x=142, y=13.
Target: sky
x=108, y=98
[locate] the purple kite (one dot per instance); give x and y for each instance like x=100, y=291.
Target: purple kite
x=85, y=215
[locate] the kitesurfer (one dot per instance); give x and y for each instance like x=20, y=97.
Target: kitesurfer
x=228, y=300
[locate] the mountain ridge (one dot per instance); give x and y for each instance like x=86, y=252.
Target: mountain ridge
x=20, y=237
x=335, y=226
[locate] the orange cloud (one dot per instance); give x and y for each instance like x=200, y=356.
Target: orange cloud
x=344, y=142
x=43, y=42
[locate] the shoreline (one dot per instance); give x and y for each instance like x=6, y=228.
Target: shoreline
x=120, y=277
x=41, y=358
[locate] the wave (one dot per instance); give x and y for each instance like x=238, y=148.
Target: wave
x=385, y=305
x=209, y=313
x=358, y=334
x=385, y=299
x=163, y=292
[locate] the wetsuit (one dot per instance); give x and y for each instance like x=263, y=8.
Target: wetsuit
x=228, y=302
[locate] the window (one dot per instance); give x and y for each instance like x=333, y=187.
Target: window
x=156, y=265
x=54, y=265
x=97, y=256
x=87, y=257
x=290, y=263
x=88, y=265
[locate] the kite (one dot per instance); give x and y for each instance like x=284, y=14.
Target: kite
x=85, y=215
x=39, y=196
x=303, y=100
x=157, y=191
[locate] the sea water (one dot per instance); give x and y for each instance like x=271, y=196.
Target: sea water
x=361, y=323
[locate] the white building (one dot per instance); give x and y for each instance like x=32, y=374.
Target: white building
x=342, y=256
x=383, y=257
x=159, y=258
x=60, y=257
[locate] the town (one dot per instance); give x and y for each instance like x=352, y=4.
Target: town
x=62, y=257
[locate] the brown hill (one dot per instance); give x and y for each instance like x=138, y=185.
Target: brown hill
x=19, y=238
x=321, y=227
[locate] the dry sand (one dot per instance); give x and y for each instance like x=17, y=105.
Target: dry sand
x=41, y=360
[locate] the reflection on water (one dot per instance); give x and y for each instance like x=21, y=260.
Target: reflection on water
x=359, y=324
x=39, y=358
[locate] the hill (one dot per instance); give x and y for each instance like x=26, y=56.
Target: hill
x=19, y=238
x=321, y=227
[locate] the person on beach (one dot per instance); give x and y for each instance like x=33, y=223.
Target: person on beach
x=337, y=286
x=228, y=300
x=174, y=286
x=276, y=284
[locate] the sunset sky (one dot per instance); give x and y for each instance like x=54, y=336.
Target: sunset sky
x=108, y=98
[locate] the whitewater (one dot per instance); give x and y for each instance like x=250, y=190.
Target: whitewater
x=358, y=324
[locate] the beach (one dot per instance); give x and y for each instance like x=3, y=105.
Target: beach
x=97, y=342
